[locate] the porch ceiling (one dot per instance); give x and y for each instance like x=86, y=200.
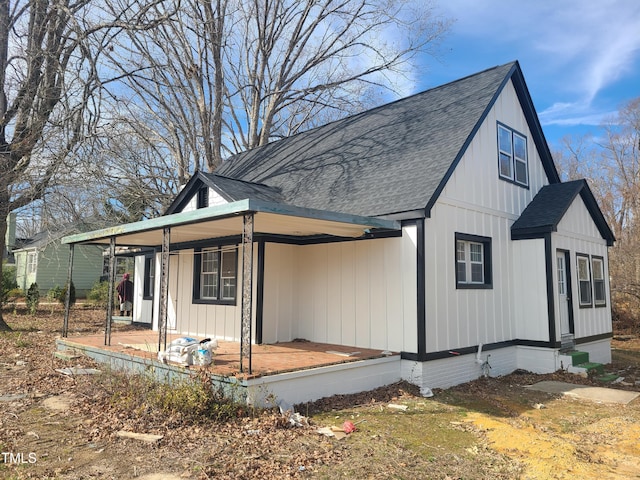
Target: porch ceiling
x=226, y=220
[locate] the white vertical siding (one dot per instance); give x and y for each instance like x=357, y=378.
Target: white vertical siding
x=476, y=201
x=204, y=320
x=475, y=181
x=458, y=318
x=577, y=233
x=347, y=291
x=358, y=293
x=530, y=288
x=279, y=287
x=404, y=330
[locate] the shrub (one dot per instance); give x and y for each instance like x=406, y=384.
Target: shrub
x=59, y=294
x=33, y=298
x=7, y=284
x=194, y=400
x=99, y=294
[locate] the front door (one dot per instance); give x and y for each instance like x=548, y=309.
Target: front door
x=563, y=289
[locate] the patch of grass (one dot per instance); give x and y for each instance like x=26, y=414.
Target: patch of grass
x=21, y=342
x=427, y=437
x=195, y=399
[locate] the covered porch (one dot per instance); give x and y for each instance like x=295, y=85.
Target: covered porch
x=244, y=223
x=296, y=372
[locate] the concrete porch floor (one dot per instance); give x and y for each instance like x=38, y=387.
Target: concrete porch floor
x=267, y=359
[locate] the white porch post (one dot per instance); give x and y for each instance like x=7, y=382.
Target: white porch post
x=164, y=289
x=247, y=282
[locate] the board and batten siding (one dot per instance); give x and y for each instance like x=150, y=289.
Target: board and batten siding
x=530, y=286
x=199, y=319
x=358, y=293
x=476, y=201
x=578, y=234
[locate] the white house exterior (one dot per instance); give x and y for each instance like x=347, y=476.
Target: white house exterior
x=480, y=249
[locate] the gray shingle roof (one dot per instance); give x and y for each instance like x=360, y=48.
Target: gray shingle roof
x=391, y=159
x=547, y=208
x=234, y=190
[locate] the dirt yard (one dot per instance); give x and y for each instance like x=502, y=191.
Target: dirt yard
x=66, y=427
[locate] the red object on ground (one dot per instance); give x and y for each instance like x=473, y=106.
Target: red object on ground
x=348, y=427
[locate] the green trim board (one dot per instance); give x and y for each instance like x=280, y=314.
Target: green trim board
x=321, y=220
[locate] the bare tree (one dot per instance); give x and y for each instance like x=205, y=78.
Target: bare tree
x=50, y=79
x=135, y=175
x=229, y=75
x=611, y=163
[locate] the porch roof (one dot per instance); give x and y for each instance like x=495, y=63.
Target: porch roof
x=226, y=220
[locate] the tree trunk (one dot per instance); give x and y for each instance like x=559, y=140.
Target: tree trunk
x=3, y=230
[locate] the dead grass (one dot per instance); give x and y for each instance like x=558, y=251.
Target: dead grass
x=487, y=429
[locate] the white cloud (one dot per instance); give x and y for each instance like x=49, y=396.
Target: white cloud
x=572, y=48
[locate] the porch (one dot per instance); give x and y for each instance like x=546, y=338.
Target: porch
x=296, y=372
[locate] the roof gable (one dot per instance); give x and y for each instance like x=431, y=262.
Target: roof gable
x=230, y=189
x=389, y=160
x=549, y=206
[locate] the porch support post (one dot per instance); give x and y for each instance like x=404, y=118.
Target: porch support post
x=247, y=281
x=164, y=289
x=67, y=300
x=112, y=278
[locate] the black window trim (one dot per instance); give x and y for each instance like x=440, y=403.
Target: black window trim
x=513, y=155
x=487, y=258
x=197, y=263
x=148, y=281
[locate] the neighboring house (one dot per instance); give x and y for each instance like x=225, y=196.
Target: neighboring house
x=435, y=226
x=45, y=261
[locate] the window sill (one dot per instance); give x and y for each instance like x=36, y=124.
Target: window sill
x=202, y=301
x=474, y=286
x=513, y=182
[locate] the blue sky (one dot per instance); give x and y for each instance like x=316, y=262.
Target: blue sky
x=580, y=59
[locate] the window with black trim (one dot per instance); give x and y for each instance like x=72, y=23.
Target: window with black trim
x=599, y=289
x=215, y=275
x=149, y=275
x=473, y=261
x=512, y=156
x=584, y=280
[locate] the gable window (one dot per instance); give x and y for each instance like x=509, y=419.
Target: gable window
x=599, y=292
x=584, y=280
x=512, y=156
x=32, y=262
x=215, y=275
x=473, y=261
x=149, y=275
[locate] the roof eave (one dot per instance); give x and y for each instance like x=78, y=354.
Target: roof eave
x=242, y=207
